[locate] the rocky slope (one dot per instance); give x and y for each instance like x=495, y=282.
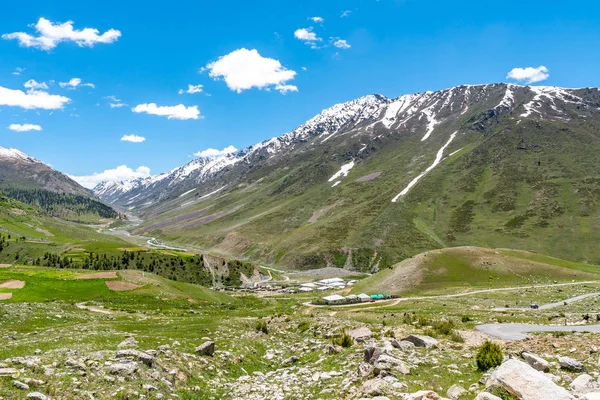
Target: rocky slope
x=18, y=170
x=372, y=181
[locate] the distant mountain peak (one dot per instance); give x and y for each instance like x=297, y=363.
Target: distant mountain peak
x=8, y=153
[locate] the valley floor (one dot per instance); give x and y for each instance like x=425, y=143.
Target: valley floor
x=69, y=338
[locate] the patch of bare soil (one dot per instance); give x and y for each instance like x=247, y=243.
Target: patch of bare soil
x=18, y=211
x=118, y=286
x=13, y=284
x=5, y=265
x=99, y=275
x=5, y=296
x=319, y=213
x=369, y=177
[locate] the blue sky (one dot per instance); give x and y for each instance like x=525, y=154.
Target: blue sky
x=390, y=47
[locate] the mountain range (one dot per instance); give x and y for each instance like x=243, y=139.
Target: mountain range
x=367, y=183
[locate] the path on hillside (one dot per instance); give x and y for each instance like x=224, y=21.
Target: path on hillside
x=84, y=306
x=394, y=302
x=519, y=331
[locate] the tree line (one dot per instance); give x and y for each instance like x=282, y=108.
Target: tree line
x=61, y=205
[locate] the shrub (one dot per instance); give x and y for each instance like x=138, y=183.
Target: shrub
x=443, y=327
x=488, y=356
x=303, y=326
x=344, y=340
x=261, y=326
x=465, y=319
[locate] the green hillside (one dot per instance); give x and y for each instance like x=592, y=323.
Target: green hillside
x=472, y=268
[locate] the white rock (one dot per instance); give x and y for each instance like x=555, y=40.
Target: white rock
x=583, y=384
x=525, y=383
x=569, y=364
x=455, y=392
x=487, y=396
x=422, y=341
x=536, y=361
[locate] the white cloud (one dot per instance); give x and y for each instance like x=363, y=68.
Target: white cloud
x=51, y=34
x=318, y=20
x=18, y=71
x=32, y=99
x=171, y=112
x=192, y=89
x=115, y=102
x=32, y=84
x=284, y=89
x=307, y=36
x=214, y=153
x=529, y=74
x=133, y=138
x=244, y=69
x=341, y=44
x=24, y=127
x=74, y=83
x=345, y=13
x=121, y=173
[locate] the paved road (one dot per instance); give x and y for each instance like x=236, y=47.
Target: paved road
x=519, y=331
x=550, y=305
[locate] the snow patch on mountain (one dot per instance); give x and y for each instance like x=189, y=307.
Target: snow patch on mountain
x=437, y=160
x=343, y=172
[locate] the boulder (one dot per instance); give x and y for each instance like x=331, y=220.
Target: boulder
x=403, y=345
x=525, y=383
x=206, y=349
x=455, y=392
x=124, y=368
x=569, y=364
x=372, y=353
x=591, y=396
x=128, y=343
x=333, y=349
x=361, y=334
x=136, y=354
x=536, y=361
x=583, y=384
x=364, y=369
x=422, y=341
x=487, y=396
x=390, y=364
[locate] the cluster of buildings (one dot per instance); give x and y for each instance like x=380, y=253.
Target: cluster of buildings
x=325, y=284
x=336, y=299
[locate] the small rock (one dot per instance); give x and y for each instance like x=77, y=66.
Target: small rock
x=422, y=341
x=570, y=364
x=372, y=353
x=139, y=355
x=206, y=349
x=455, y=392
x=128, y=343
x=487, y=396
x=361, y=334
x=537, y=362
x=403, y=345
x=20, y=385
x=9, y=372
x=291, y=360
x=124, y=369
x=37, y=396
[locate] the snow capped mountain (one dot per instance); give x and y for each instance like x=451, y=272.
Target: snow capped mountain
x=367, y=116
x=16, y=155
x=19, y=170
